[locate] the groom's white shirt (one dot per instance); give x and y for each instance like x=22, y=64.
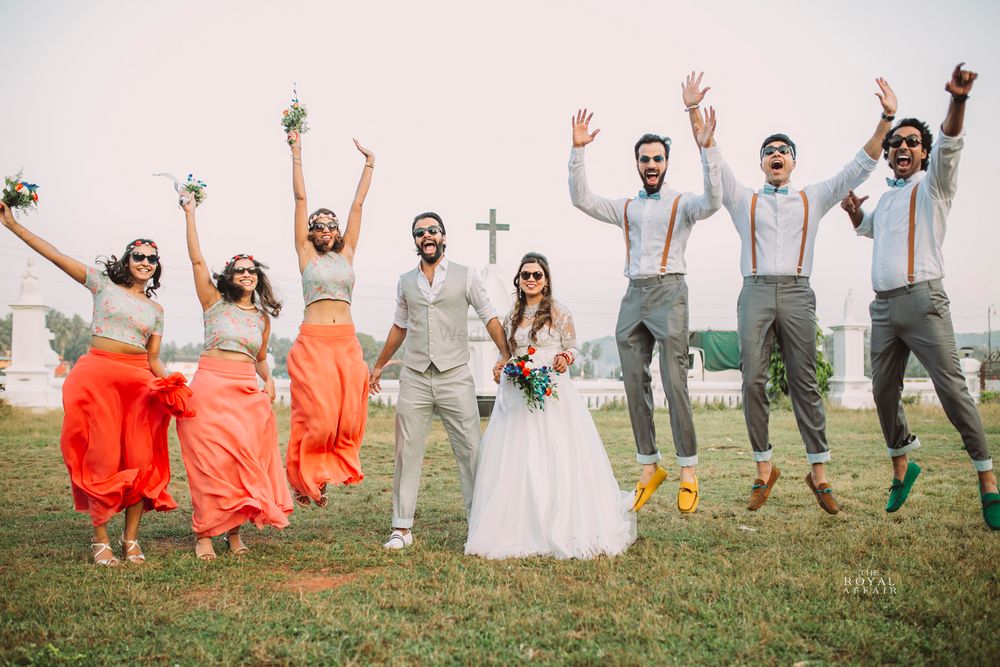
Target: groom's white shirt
x=474, y=291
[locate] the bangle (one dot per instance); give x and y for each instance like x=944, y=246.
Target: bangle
x=370, y=164
x=959, y=98
x=888, y=117
x=691, y=108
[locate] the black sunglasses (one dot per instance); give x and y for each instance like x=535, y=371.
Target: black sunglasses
x=138, y=257
x=896, y=140
x=252, y=270
x=323, y=226
x=771, y=150
x=537, y=275
x=433, y=230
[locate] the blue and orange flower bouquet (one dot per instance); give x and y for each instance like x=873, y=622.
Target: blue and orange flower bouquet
x=18, y=193
x=537, y=383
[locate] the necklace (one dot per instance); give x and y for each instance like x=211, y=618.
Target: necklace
x=531, y=311
x=242, y=307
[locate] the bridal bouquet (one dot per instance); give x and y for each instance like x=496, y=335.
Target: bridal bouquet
x=537, y=383
x=191, y=187
x=19, y=194
x=294, y=117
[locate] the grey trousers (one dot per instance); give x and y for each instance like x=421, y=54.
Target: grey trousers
x=782, y=308
x=918, y=319
x=452, y=394
x=655, y=311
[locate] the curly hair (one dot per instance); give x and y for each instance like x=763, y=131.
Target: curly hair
x=263, y=295
x=926, y=138
x=321, y=248
x=118, y=272
x=543, y=317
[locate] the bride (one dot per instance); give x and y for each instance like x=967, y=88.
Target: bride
x=544, y=485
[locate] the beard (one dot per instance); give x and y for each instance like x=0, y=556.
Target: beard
x=431, y=259
x=652, y=189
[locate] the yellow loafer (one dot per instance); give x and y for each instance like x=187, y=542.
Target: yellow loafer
x=687, y=496
x=644, y=491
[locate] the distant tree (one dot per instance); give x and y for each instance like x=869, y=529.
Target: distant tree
x=778, y=375
x=71, y=335
x=6, y=329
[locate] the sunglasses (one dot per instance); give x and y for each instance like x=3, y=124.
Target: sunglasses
x=771, y=150
x=433, y=230
x=645, y=159
x=323, y=226
x=239, y=270
x=527, y=275
x=896, y=140
x=139, y=257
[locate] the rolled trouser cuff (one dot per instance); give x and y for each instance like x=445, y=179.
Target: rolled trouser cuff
x=647, y=459
x=764, y=455
x=817, y=457
x=914, y=443
x=687, y=461
x=402, y=523
x=983, y=466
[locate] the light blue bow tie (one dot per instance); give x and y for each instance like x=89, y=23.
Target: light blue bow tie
x=895, y=182
x=645, y=195
x=770, y=190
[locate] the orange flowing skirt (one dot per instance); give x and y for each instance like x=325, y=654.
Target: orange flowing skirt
x=114, y=436
x=329, y=408
x=230, y=451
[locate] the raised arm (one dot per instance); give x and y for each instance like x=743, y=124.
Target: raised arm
x=203, y=285
x=263, y=370
x=703, y=206
x=887, y=98
x=693, y=94
x=71, y=267
x=593, y=205
x=302, y=245
x=354, y=218
x=959, y=87
x=942, y=172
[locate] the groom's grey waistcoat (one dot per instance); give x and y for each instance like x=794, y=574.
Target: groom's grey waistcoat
x=437, y=331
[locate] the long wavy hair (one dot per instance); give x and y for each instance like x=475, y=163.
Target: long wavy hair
x=543, y=317
x=118, y=272
x=321, y=248
x=263, y=295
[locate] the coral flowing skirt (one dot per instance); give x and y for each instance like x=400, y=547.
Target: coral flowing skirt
x=114, y=436
x=230, y=451
x=329, y=408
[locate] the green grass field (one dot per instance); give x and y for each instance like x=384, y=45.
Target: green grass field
x=723, y=586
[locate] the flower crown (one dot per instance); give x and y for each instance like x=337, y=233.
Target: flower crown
x=139, y=242
x=242, y=255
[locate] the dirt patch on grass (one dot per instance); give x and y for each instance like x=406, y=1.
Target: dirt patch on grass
x=323, y=580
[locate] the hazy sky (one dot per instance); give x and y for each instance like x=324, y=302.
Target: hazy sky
x=467, y=107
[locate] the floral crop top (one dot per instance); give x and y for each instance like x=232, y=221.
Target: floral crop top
x=121, y=316
x=231, y=328
x=328, y=276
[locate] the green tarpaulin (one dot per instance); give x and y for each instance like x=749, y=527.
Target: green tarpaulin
x=722, y=349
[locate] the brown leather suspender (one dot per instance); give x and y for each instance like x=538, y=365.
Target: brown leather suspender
x=913, y=224
x=670, y=234
x=753, y=232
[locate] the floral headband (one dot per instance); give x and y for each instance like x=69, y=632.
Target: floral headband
x=139, y=242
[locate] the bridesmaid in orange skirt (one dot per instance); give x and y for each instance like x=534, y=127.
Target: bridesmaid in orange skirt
x=230, y=448
x=114, y=433
x=329, y=375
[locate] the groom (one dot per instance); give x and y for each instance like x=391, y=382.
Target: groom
x=432, y=303
x=654, y=310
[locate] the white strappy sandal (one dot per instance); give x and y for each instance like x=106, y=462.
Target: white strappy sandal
x=128, y=545
x=110, y=561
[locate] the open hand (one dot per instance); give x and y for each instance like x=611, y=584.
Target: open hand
x=690, y=91
x=581, y=128
x=887, y=97
x=706, y=128
x=961, y=81
x=369, y=156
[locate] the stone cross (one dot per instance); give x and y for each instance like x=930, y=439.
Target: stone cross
x=493, y=228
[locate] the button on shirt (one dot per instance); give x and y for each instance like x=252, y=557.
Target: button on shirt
x=889, y=223
x=474, y=292
x=779, y=217
x=649, y=219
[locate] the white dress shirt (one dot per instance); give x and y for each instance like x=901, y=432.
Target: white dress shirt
x=779, y=217
x=889, y=223
x=648, y=219
x=474, y=292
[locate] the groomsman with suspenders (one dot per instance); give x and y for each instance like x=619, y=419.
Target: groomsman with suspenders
x=777, y=226
x=654, y=310
x=910, y=312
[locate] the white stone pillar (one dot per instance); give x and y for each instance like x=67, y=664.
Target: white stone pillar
x=970, y=368
x=849, y=387
x=29, y=379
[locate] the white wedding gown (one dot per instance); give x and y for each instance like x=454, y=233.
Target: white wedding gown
x=544, y=485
